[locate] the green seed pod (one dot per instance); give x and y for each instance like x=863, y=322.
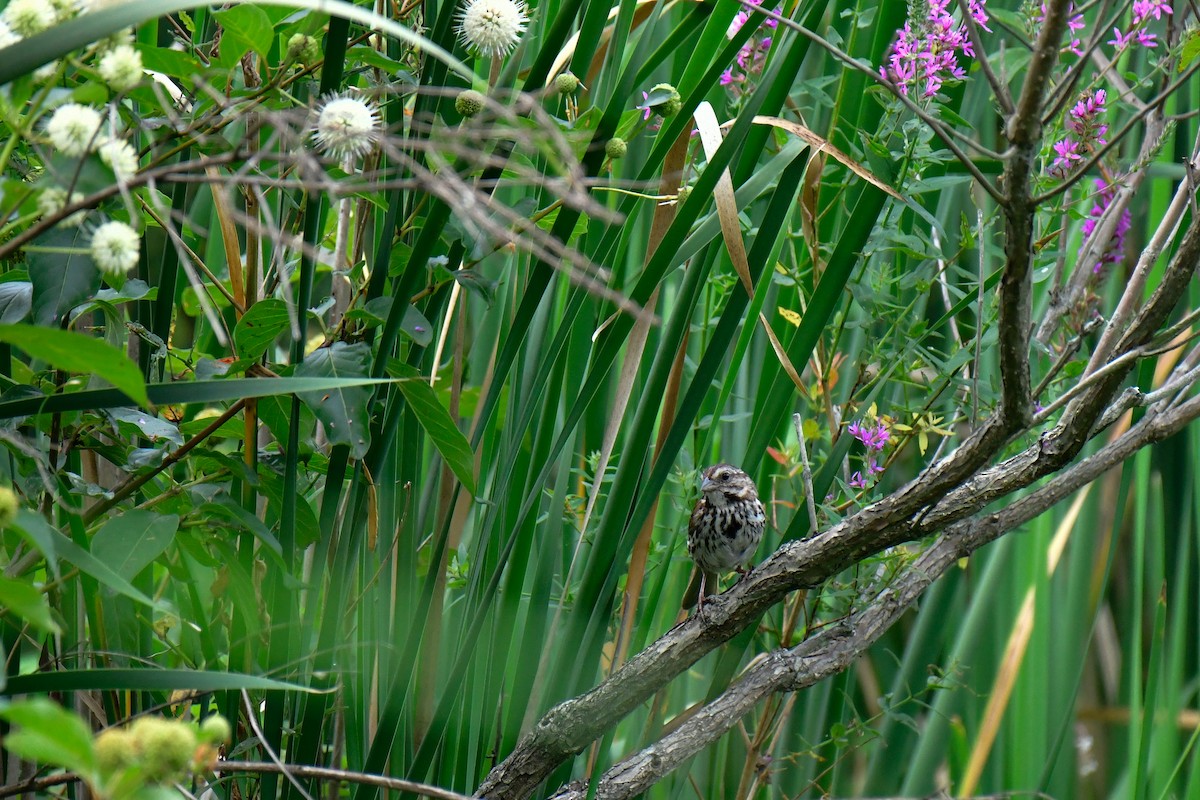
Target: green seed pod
x=303, y=48
x=566, y=83
x=672, y=105
x=8, y=506
x=115, y=750
x=684, y=193
x=216, y=729
x=615, y=148
x=469, y=103
x=166, y=748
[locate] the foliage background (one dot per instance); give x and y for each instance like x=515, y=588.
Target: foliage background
x=440, y=590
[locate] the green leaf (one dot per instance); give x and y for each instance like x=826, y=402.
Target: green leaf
x=1189, y=51
x=178, y=393
x=436, y=421
x=62, y=547
x=343, y=411
x=131, y=541
x=61, y=280
x=75, y=352
x=16, y=299
x=50, y=735
x=38, y=533
x=248, y=25
x=153, y=680
x=259, y=327
x=27, y=603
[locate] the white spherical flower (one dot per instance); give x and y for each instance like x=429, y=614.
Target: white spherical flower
x=120, y=156
x=492, y=27
x=72, y=129
x=7, y=34
x=27, y=17
x=346, y=127
x=54, y=199
x=121, y=68
x=115, y=248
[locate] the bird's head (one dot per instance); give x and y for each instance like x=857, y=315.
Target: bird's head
x=724, y=483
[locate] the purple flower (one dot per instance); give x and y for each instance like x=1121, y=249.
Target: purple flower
x=857, y=481
x=1114, y=251
x=726, y=77
x=977, y=13
x=926, y=50
x=1120, y=40
x=873, y=439
x=1143, y=9
x=1146, y=39
x=646, y=108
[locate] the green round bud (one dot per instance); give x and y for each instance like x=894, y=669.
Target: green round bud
x=566, y=83
x=166, y=748
x=303, y=48
x=216, y=729
x=9, y=504
x=684, y=193
x=615, y=147
x=115, y=750
x=469, y=103
x=672, y=105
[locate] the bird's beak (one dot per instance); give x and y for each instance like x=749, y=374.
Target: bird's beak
x=706, y=483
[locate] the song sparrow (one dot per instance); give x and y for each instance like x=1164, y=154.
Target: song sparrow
x=725, y=528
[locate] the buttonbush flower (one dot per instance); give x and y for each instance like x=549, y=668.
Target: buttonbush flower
x=7, y=35
x=54, y=199
x=121, y=68
x=72, y=129
x=492, y=27
x=29, y=17
x=346, y=126
x=115, y=248
x=120, y=156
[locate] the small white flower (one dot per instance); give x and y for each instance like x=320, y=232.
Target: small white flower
x=65, y=9
x=28, y=17
x=120, y=156
x=115, y=248
x=121, y=68
x=492, y=27
x=346, y=127
x=72, y=129
x=7, y=34
x=53, y=199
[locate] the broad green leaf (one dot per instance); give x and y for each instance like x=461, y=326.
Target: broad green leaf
x=38, y=533
x=259, y=327
x=436, y=421
x=61, y=280
x=343, y=411
x=50, y=735
x=27, y=603
x=131, y=541
x=248, y=26
x=67, y=550
x=81, y=354
x=16, y=299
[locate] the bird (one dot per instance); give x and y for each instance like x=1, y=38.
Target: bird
x=724, y=530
